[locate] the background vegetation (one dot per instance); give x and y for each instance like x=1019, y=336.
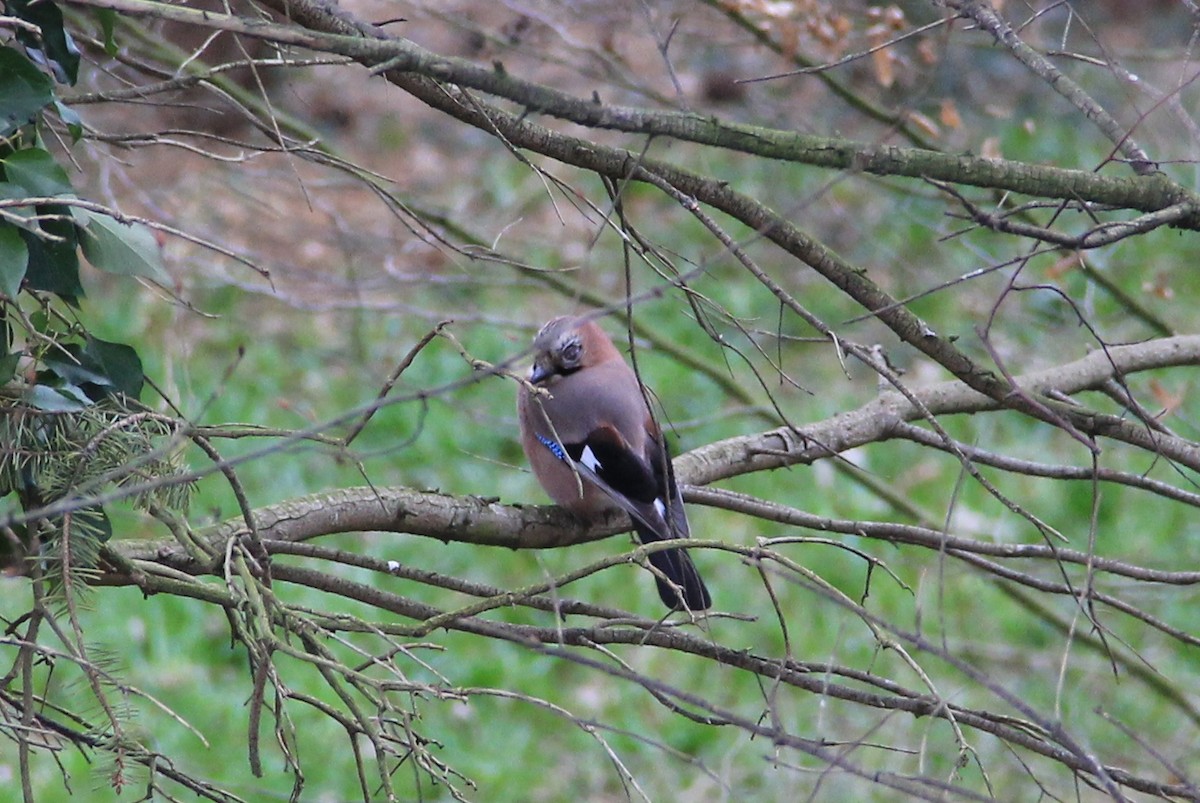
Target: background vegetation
x=917, y=305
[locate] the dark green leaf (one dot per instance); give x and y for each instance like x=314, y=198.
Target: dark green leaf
x=53, y=401
x=73, y=366
x=54, y=46
x=128, y=249
x=98, y=369
x=108, y=24
x=72, y=120
x=24, y=90
x=14, y=260
x=8, y=366
x=15, y=192
x=54, y=265
x=119, y=363
x=35, y=170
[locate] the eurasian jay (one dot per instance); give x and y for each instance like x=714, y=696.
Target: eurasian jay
x=594, y=446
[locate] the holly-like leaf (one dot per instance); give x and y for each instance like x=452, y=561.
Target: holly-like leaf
x=72, y=366
x=54, y=264
x=37, y=171
x=54, y=47
x=24, y=90
x=44, y=397
x=129, y=249
x=24, y=214
x=108, y=25
x=119, y=363
x=14, y=261
x=8, y=366
x=98, y=368
x=72, y=120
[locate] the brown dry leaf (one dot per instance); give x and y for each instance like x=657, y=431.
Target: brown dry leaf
x=1170, y=401
x=884, y=63
x=758, y=9
x=893, y=17
x=927, y=52
x=787, y=35
x=925, y=123
x=1159, y=287
x=777, y=10
x=739, y=6
x=841, y=23
x=949, y=115
x=1060, y=267
x=827, y=34
x=885, y=22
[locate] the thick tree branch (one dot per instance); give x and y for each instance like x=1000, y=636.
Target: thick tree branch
x=863, y=689
x=986, y=17
x=877, y=419
x=484, y=521
x=622, y=165
x=338, y=33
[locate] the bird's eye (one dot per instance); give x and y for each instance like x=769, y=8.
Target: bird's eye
x=570, y=353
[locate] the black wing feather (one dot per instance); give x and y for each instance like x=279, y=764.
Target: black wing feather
x=628, y=479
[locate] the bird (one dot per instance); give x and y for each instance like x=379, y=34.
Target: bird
x=594, y=446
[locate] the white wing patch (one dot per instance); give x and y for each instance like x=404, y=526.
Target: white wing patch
x=661, y=508
x=588, y=458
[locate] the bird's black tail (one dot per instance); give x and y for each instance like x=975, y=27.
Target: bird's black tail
x=682, y=587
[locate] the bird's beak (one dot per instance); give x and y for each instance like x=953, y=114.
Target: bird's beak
x=540, y=372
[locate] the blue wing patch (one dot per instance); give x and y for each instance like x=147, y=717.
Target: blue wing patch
x=554, y=448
